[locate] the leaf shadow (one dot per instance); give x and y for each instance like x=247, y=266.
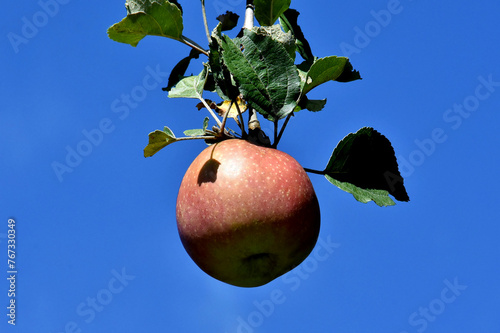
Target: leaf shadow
x=208, y=172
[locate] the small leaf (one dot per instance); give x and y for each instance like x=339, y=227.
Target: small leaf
x=211, y=104
x=190, y=87
x=268, y=11
x=198, y=132
x=158, y=140
x=148, y=17
x=169, y=132
x=228, y=21
x=324, y=70
x=179, y=70
x=265, y=72
x=205, y=124
x=289, y=22
x=363, y=162
x=312, y=104
x=233, y=112
x=194, y=132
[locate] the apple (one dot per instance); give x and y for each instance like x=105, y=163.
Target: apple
x=247, y=214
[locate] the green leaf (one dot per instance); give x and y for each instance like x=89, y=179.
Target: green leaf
x=200, y=131
x=223, y=82
x=289, y=22
x=324, y=70
x=380, y=197
x=265, y=72
x=285, y=38
x=205, y=124
x=190, y=87
x=148, y=17
x=169, y=132
x=349, y=74
x=364, y=164
x=159, y=140
x=268, y=11
x=194, y=132
x=312, y=104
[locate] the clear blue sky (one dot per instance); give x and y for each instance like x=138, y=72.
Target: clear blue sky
x=98, y=249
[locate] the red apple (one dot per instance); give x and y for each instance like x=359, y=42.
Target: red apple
x=247, y=214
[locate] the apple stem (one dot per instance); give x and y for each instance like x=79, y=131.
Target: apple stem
x=315, y=171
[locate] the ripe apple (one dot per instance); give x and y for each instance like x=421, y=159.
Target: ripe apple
x=247, y=214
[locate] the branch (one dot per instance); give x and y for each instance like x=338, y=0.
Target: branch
x=212, y=113
x=249, y=15
x=275, y=144
x=242, y=122
x=253, y=121
x=205, y=20
x=224, y=119
x=193, y=44
x=201, y=137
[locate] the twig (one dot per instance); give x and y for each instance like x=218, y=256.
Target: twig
x=193, y=44
x=242, y=122
x=212, y=113
x=204, y=137
x=275, y=131
x=224, y=119
x=205, y=20
x=275, y=144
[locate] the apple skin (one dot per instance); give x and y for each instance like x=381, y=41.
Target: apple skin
x=247, y=214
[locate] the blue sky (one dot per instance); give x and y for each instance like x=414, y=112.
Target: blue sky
x=97, y=246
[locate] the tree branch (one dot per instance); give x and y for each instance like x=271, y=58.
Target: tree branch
x=193, y=44
x=205, y=20
x=249, y=15
x=275, y=143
